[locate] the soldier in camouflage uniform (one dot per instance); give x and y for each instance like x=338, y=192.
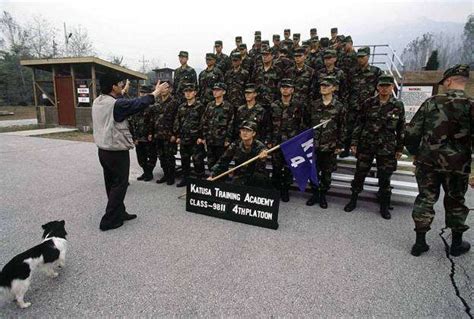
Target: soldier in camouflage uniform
x=312, y=52
x=318, y=63
x=222, y=60
x=348, y=60
x=247, y=62
x=379, y=134
x=186, y=132
x=287, y=42
x=330, y=69
x=256, y=53
x=283, y=62
x=440, y=137
x=275, y=49
x=235, y=79
x=313, y=33
x=267, y=78
x=254, y=112
x=286, y=123
x=217, y=125
x=296, y=41
x=240, y=151
x=238, y=42
x=140, y=126
x=163, y=116
x=302, y=75
x=182, y=75
x=207, y=78
x=363, y=86
x=333, y=40
x=328, y=139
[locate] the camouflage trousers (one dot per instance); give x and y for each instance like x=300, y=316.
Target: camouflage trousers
x=166, y=152
x=349, y=125
x=454, y=186
x=197, y=154
x=386, y=165
x=326, y=163
x=146, y=155
x=214, y=152
x=281, y=174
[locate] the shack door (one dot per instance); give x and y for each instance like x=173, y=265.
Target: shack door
x=66, y=112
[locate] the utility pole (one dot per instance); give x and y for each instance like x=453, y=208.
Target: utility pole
x=144, y=63
x=66, y=39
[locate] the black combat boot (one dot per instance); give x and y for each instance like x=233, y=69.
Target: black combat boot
x=420, y=245
x=314, y=198
x=164, y=178
x=352, y=203
x=285, y=195
x=171, y=174
x=148, y=174
x=182, y=183
x=141, y=177
x=458, y=246
x=384, y=205
x=322, y=200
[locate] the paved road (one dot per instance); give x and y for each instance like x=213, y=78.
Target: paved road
x=172, y=263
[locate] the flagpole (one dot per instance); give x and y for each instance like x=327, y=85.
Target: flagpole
x=253, y=159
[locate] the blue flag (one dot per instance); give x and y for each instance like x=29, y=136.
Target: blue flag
x=301, y=158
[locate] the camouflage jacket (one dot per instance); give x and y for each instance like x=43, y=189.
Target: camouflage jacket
x=363, y=85
x=284, y=64
x=235, y=81
x=163, y=116
x=267, y=82
x=348, y=63
x=315, y=60
x=442, y=132
x=223, y=62
x=331, y=136
x=286, y=121
x=187, y=122
x=275, y=50
x=248, y=64
x=207, y=79
x=237, y=153
x=217, y=123
x=341, y=92
x=141, y=125
x=181, y=77
x=255, y=114
x=380, y=128
x=302, y=80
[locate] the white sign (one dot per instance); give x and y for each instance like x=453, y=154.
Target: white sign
x=83, y=99
x=413, y=97
x=83, y=90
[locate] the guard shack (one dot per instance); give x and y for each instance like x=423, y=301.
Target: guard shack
x=64, y=88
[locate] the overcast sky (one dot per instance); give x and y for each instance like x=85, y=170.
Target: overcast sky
x=158, y=30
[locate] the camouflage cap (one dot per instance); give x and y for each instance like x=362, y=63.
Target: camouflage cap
x=258, y=38
x=329, y=54
x=189, y=87
x=456, y=70
x=146, y=89
x=333, y=30
x=276, y=37
x=364, y=51
x=299, y=51
x=183, y=54
x=236, y=56
x=314, y=39
x=238, y=39
x=250, y=88
x=265, y=49
x=386, y=79
x=266, y=42
x=250, y=125
x=287, y=82
x=219, y=86
x=210, y=56
x=283, y=50
x=218, y=42
x=287, y=31
x=324, y=42
x=296, y=36
x=242, y=46
x=340, y=38
x=258, y=33
x=348, y=39
x=329, y=80
x=313, y=30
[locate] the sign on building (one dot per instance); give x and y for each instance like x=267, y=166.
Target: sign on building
x=83, y=93
x=413, y=96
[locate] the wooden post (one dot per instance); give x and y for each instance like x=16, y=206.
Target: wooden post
x=74, y=93
x=35, y=93
x=54, y=87
x=94, y=83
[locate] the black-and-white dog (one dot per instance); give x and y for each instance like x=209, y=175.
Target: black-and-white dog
x=16, y=275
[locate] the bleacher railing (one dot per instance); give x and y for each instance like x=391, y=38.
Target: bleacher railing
x=386, y=58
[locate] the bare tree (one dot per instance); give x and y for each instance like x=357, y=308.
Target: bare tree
x=468, y=42
x=42, y=38
x=80, y=43
x=13, y=35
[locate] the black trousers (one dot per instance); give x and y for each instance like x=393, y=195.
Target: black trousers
x=146, y=155
x=116, y=167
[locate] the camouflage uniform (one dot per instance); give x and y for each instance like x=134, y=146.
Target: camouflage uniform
x=379, y=133
x=302, y=80
x=223, y=62
x=236, y=81
x=440, y=135
x=348, y=63
x=284, y=64
x=140, y=127
x=163, y=115
x=255, y=114
x=253, y=174
x=286, y=123
x=186, y=127
x=207, y=80
x=181, y=77
x=267, y=82
x=341, y=92
x=327, y=138
x=217, y=129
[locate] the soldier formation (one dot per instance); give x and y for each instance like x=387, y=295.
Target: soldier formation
x=243, y=104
